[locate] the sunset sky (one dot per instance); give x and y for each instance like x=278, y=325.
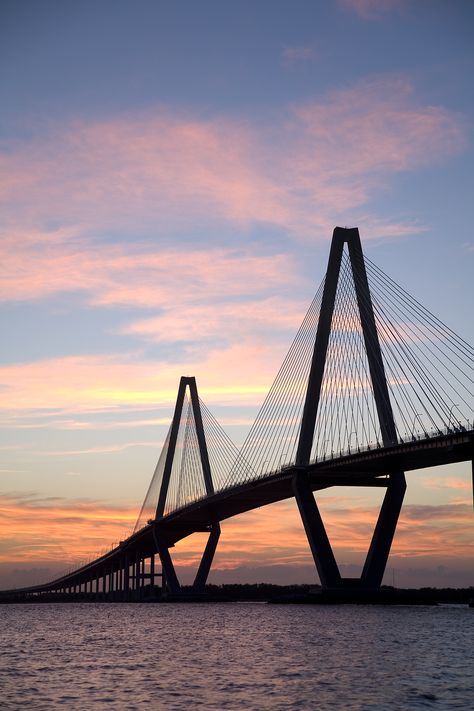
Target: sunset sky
x=170, y=176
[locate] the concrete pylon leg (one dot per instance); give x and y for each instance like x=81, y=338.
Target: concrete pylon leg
x=207, y=558
x=384, y=532
x=170, y=579
x=126, y=578
x=152, y=575
x=316, y=533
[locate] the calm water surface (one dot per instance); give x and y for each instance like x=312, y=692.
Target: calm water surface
x=235, y=656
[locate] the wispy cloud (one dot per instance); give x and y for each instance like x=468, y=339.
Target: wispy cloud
x=79, y=383
x=45, y=421
x=98, y=450
x=315, y=165
x=203, y=322
x=39, y=264
x=70, y=529
x=378, y=129
x=372, y=9
x=293, y=55
x=444, y=482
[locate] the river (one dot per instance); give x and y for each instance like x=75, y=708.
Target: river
x=235, y=656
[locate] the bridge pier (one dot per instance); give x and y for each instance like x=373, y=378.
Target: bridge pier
x=170, y=582
x=126, y=585
x=136, y=576
x=380, y=545
x=141, y=577
x=152, y=573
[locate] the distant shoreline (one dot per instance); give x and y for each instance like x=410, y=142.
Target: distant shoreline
x=276, y=594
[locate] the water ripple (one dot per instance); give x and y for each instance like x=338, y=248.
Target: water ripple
x=231, y=656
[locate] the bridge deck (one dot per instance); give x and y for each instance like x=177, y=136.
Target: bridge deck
x=365, y=468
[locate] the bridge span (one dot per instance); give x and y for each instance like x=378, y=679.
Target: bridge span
x=364, y=395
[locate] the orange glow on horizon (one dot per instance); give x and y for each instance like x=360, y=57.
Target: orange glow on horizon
x=37, y=530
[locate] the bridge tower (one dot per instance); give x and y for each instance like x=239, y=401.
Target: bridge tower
x=384, y=531
x=171, y=584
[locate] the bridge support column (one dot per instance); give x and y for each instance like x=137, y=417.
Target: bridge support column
x=207, y=558
x=170, y=582
x=141, y=577
x=137, y=576
x=170, y=579
x=384, y=532
x=379, y=550
x=316, y=533
x=126, y=582
x=152, y=574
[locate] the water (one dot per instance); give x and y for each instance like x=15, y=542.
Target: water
x=235, y=656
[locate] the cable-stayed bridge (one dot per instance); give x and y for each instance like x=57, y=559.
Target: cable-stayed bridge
x=373, y=386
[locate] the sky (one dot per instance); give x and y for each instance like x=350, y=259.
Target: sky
x=170, y=176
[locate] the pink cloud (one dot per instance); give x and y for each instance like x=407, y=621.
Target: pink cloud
x=100, y=450
x=372, y=9
x=317, y=165
x=157, y=165
x=51, y=528
x=84, y=383
x=204, y=321
x=36, y=264
x=45, y=421
x=378, y=129
x=298, y=54
x=445, y=482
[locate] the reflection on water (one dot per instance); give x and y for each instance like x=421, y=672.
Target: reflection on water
x=234, y=656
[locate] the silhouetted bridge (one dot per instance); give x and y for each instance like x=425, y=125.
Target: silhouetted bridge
x=372, y=387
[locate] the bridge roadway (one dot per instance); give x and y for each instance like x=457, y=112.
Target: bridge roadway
x=369, y=467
